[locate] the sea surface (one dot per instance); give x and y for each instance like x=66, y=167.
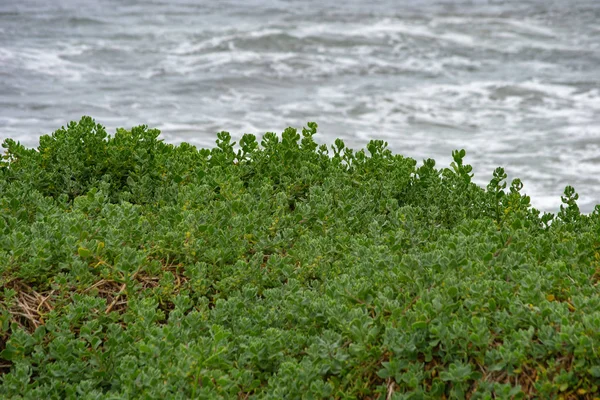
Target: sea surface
x=515, y=83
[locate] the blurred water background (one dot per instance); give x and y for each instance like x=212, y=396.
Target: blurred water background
x=515, y=83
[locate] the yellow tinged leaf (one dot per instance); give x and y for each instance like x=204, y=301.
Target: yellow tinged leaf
x=563, y=387
x=550, y=297
x=419, y=325
x=83, y=252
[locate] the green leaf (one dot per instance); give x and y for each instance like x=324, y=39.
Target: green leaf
x=83, y=252
x=453, y=291
x=595, y=371
x=420, y=325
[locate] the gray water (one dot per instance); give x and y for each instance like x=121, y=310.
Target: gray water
x=515, y=83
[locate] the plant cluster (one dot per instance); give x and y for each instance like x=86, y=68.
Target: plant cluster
x=132, y=268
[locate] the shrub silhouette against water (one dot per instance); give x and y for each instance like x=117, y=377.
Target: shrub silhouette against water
x=132, y=268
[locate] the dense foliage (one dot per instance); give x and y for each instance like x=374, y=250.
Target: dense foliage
x=132, y=268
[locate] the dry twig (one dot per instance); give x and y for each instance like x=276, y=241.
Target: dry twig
x=390, y=389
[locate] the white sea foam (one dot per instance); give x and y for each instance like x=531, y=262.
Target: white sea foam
x=51, y=62
x=187, y=47
x=529, y=26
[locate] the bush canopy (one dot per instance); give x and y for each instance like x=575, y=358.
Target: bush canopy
x=132, y=268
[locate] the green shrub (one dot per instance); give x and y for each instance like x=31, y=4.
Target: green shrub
x=131, y=268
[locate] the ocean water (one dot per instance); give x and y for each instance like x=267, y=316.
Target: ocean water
x=515, y=83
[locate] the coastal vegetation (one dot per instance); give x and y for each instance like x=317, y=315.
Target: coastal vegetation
x=280, y=268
